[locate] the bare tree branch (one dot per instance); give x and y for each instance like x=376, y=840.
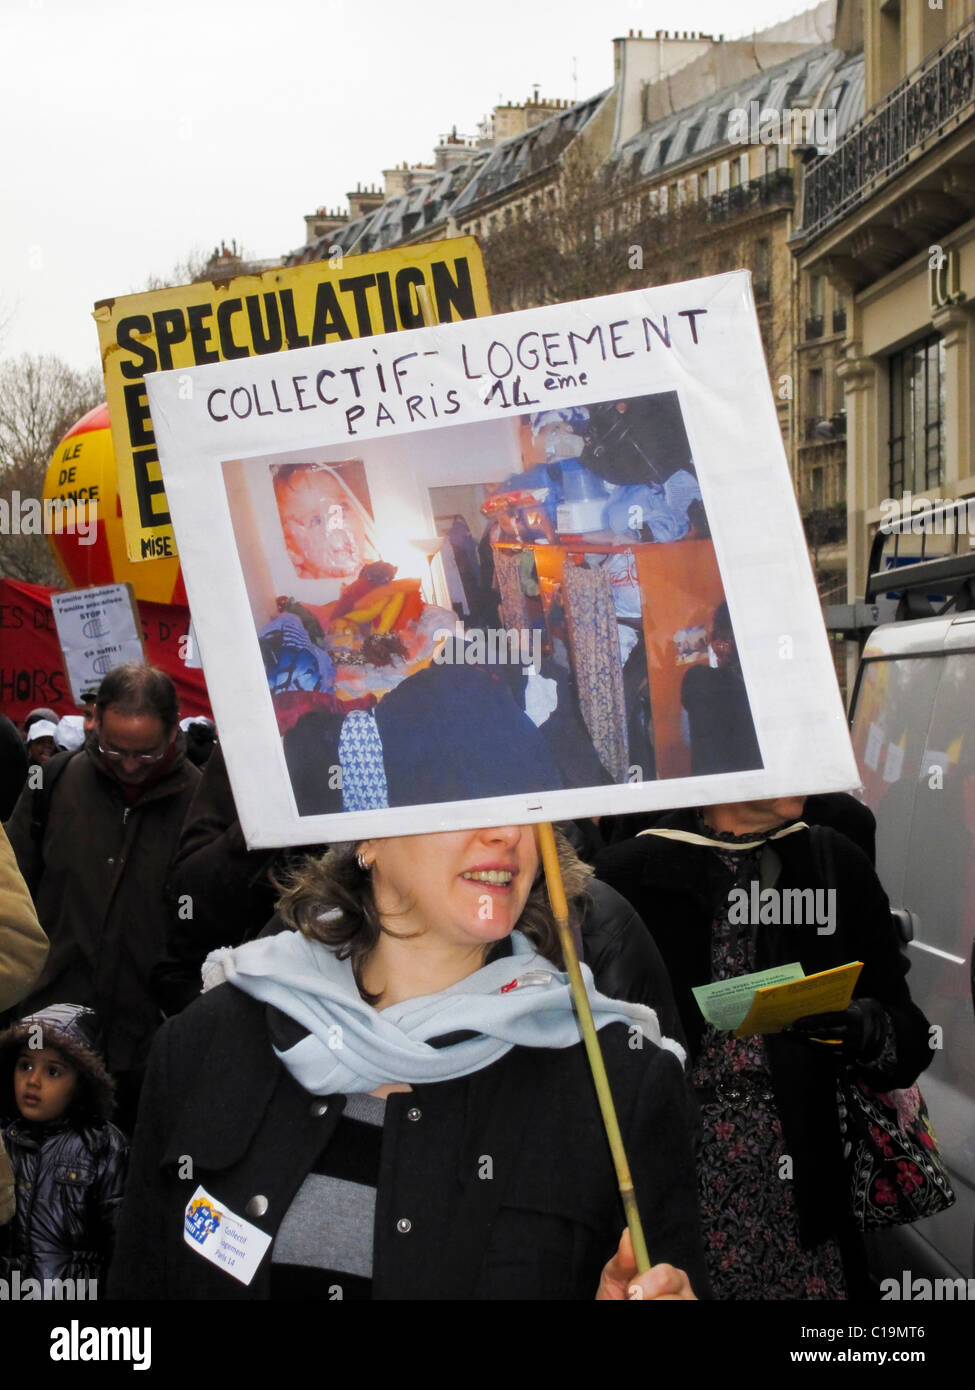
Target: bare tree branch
x=41, y=397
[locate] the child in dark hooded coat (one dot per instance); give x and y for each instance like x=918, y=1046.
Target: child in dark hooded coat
x=68, y=1160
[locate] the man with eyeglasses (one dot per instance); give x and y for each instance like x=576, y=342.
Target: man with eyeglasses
x=94, y=845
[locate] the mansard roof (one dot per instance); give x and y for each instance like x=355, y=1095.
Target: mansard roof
x=823, y=77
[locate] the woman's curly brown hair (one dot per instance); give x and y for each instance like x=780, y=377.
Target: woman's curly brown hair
x=330, y=899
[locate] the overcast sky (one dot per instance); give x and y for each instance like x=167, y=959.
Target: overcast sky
x=134, y=134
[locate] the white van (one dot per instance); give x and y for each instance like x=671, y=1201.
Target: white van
x=913, y=727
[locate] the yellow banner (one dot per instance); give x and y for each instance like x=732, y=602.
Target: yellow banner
x=301, y=306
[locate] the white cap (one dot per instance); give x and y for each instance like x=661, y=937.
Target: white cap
x=70, y=732
x=41, y=728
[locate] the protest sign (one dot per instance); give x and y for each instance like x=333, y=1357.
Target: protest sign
x=251, y=315
x=32, y=664
x=98, y=629
x=517, y=569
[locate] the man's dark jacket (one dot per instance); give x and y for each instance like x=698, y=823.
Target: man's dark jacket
x=678, y=888
x=97, y=875
x=540, y=1222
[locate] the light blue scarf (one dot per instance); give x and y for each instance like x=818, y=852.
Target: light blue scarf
x=520, y=1000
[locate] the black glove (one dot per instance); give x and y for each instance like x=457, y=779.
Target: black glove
x=855, y=1035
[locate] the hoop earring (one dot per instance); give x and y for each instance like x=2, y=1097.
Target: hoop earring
x=363, y=863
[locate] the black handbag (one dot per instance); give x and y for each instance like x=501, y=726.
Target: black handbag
x=896, y=1172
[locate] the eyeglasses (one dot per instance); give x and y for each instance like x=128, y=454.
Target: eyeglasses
x=146, y=759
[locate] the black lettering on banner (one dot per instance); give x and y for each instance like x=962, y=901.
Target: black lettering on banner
x=353, y=373
x=293, y=338
x=225, y=313
x=356, y=285
x=407, y=300
x=535, y=356
x=663, y=334
x=269, y=341
x=146, y=488
x=242, y=414
x=496, y=364
x=33, y=687
x=201, y=333
x=586, y=338
x=11, y=615
x=386, y=301
x=329, y=318
x=137, y=414
x=450, y=293
x=282, y=409
x=614, y=337
x=135, y=323
x=170, y=329
x=299, y=394
x=549, y=349
x=325, y=400
x=690, y=315
x=155, y=548
x=79, y=494
x=210, y=399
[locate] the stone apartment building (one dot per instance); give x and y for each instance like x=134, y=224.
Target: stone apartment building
x=885, y=246
x=671, y=194
x=827, y=154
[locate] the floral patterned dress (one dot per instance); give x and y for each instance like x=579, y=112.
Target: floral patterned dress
x=748, y=1209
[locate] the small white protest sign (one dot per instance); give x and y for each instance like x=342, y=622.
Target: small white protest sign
x=98, y=629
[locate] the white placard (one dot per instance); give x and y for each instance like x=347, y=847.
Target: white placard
x=290, y=477
x=98, y=629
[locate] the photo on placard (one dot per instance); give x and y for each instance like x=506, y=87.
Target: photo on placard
x=326, y=517
x=516, y=605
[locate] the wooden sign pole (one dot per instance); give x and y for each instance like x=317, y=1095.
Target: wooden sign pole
x=560, y=910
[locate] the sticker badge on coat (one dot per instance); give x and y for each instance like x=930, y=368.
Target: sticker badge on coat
x=224, y=1239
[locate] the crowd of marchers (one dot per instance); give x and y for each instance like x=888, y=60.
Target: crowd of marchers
x=357, y=1072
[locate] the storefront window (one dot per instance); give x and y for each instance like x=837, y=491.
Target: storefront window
x=917, y=409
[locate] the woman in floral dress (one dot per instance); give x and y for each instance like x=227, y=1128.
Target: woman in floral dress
x=773, y=1184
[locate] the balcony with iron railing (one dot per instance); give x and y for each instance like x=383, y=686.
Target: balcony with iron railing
x=889, y=137
x=768, y=191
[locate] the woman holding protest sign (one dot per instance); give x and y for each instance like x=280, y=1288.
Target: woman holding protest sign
x=392, y=1101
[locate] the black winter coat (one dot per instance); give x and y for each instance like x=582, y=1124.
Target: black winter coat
x=69, y=1190
x=677, y=888
x=541, y=1228
x=97, y=878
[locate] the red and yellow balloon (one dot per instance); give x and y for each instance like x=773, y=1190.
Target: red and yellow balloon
x=82, y=471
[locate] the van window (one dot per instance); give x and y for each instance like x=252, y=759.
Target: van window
x=914, y=736
x=894, y=701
